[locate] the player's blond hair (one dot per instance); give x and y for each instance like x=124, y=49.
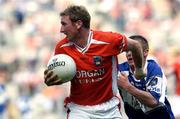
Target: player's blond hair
x=76, y=13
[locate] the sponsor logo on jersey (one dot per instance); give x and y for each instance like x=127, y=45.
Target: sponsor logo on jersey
x=154, y=81
x=97, y=60
x=155, y=89
x=89, y=76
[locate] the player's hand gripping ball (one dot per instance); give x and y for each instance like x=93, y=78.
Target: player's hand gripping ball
x=63, y=66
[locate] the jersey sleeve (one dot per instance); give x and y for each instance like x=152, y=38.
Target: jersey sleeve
x=157, y=82
x=120, y=43
x=124, y=68
x=59, y=47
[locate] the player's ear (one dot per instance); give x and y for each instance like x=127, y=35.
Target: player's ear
x=146, y=52
x=78, y=24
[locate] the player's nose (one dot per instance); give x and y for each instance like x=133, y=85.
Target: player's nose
x=128, y=54
x=61, y=30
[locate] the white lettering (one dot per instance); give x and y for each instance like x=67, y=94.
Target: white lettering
x=89, y=73
x=89, y=76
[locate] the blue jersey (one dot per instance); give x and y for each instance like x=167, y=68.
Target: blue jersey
x=155, y=82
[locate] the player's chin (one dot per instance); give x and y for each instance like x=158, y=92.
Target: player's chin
x=131, y=62
x=69, y=37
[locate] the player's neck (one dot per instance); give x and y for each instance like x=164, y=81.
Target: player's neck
x=82, y=40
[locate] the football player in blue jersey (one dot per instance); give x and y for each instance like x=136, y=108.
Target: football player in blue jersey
x=145, y=98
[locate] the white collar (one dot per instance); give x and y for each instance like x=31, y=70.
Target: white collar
x=83, y=50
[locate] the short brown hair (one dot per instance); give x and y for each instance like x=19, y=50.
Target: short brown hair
x=76, y=13
x=143, y=41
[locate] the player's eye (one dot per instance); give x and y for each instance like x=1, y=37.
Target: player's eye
x=63, y=23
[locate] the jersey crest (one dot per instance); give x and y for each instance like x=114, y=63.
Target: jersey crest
x=97, y=60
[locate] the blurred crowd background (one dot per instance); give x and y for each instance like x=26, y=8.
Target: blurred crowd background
x=29, y=30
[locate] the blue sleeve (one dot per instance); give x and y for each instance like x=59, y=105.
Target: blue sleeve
x=123, y=66
x=156, y=81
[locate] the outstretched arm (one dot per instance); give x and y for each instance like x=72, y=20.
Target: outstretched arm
x=137, y=53
x=143, y=96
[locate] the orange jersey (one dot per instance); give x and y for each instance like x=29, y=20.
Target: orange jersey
x=95, y=79
x=177, y=75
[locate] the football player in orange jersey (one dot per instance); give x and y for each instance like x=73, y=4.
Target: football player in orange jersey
x=93, y=93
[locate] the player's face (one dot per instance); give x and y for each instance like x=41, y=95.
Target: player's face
x=68, y=28
x=130, y=58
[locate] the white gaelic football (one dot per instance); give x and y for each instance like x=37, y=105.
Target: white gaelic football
x=63, y=66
